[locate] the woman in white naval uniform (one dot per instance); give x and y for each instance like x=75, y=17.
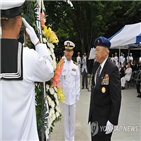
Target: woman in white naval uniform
x=18, y=115
x=70, y=80
x=128, y=73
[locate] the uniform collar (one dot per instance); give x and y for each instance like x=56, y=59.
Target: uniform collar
x=68, y=61
x=102, y=65
x=11, y=60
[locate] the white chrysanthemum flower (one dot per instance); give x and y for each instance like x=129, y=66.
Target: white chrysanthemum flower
x=49, y=100
x=49, y=124
x=51, y=111
x=47, y=86
x=57, y=102
x=58, y=109
x=49, y=51
x=52, y=51
x=53, y=56
x=57, y=114
x=43, y=32
x=51, y=91
x=55, y=96
x=44, y=40
x=55, y=88
x=50, y=45
x=54, y=64
x=52, y=104
x=53, y=117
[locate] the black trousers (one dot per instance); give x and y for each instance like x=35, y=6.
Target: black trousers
x=106, y=137
x=138, y=87
x=84, y=78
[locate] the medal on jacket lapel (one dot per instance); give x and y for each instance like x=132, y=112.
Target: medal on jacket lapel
x=103, y=89
x=64, y=77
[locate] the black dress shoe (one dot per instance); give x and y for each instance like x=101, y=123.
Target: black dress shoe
x=139, y=96
x=122, y=88
x=82, y=87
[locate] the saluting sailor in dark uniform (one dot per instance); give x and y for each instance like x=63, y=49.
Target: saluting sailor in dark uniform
x=70, y=80
x=20, y=68
x=105, y=93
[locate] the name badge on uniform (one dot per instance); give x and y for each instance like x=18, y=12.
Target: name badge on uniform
x=73, y=69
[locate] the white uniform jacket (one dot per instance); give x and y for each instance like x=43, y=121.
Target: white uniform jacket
x=131, y=58
x=18, y=114
x=116, y=60
x=139, y=59
x=78, y=59
x=84, y=65
x=120, y=59
x=112, y=59
x=70, y=80
x=128, y=73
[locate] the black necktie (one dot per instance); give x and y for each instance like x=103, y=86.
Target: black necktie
x=98, y=73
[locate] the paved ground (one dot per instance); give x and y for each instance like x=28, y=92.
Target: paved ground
x=129, y=119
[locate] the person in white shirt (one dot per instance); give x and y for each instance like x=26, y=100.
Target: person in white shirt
x=123, y=60
x=20, y=68
x=127, y=58
x=84, y=71
x=70, y=80
x=78, y=59
x=112, y=58
x=128, y=73
x=121, y=57
x=116, y=59
x=140, y=58
x=131, y=57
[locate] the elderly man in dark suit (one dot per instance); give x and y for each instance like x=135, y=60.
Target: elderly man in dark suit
x=105, y=92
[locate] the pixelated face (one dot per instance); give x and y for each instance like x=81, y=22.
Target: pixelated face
x=69, y=54
x=101, y=54
x=128, y=65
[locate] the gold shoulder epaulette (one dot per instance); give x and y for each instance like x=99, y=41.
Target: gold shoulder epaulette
x=75, y=63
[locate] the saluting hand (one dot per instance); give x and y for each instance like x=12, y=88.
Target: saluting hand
x=33, y=37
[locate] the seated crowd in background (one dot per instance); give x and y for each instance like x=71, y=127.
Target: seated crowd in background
x=128, y=67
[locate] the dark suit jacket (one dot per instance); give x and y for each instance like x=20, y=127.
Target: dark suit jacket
x=105, y=99
x=122, y=72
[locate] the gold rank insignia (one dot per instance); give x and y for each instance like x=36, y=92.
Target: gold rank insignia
x=68, y=44
x=103, y=89
x=75, y=63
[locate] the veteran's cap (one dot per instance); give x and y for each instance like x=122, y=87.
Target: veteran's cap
x=102, y=41
x=10, y=8
x=69, y=45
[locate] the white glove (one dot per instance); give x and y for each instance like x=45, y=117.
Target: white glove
x=109, y=127
x=92, y=53
x=33, y=37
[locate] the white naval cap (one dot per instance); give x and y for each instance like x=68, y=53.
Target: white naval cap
x=10, y=8
x=69, y=45
x=78, y=53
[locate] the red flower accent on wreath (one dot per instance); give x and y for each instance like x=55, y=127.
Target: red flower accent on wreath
x=42, y=19
x=58, y=71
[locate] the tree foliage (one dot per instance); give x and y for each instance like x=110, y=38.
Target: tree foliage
x=89, y=20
